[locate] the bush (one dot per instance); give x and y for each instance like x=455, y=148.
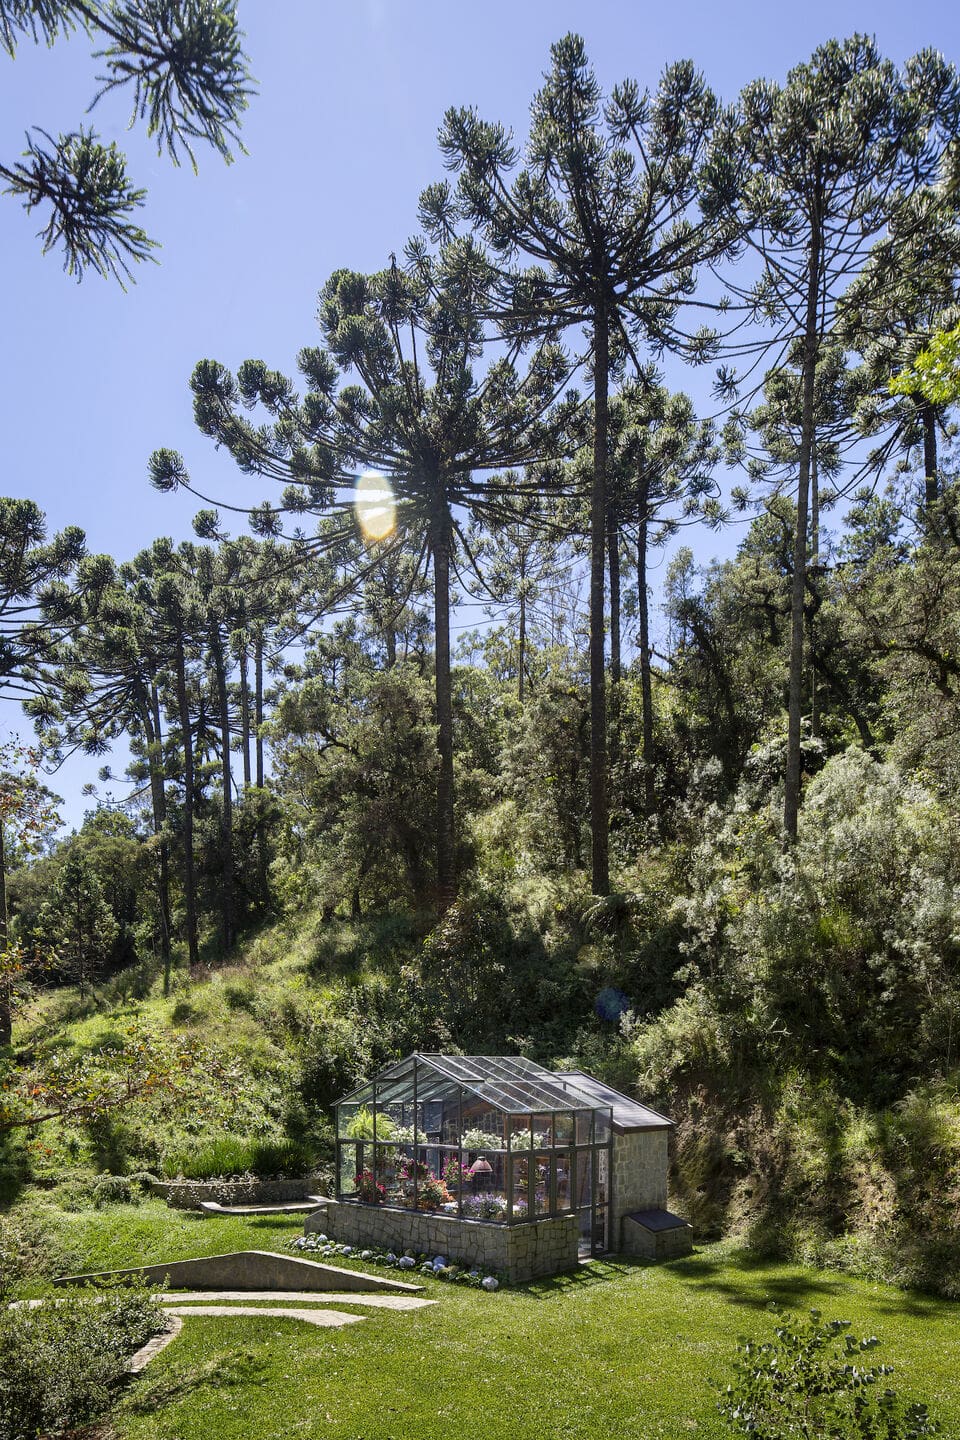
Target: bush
x=29, y=1250
x=115, y=1190
x=234, y=1155
x=812, y=1381
x=62, y=1363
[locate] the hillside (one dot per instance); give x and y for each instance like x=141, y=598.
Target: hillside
x=789, y=1159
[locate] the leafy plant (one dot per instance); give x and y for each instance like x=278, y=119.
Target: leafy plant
x=360, y=1127
x=481, y=1140
x=369, y=1189
x=62, y=1363
x=235, y=1155
x=812, y=1381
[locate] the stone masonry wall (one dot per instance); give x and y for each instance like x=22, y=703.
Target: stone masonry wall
x=656, y=1244
x=521, y=1252
x=639, y=1180
x=187, y=1194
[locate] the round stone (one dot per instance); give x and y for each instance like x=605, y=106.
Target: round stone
x=491, y=1283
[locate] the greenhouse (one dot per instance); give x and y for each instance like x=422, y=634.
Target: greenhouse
x=497, y=1140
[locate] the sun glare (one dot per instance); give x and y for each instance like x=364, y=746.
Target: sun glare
x=375, y=506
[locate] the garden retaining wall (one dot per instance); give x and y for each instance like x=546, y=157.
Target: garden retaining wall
x=187, y=1194
x=521, y=1252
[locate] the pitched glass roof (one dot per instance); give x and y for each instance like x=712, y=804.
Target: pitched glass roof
x=507, y=1082
x=627, y=1114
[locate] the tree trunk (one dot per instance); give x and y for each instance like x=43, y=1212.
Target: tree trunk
x=226, y=772
x=149, y=705
x=258, y=754
x=791, y=797
x=245, y=714
x=6, y=1007
x=189, y=878
x=814, y=562
x=643, y=615
x=613, y=552
x=446, y=858
x=613, y=561
x=931, y=486
x=522, y=641
x=598, y=535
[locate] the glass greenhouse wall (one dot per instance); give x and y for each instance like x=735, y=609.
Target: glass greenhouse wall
x=498, y=1140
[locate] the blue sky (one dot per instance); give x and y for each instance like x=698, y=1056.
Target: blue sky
x=341, y=139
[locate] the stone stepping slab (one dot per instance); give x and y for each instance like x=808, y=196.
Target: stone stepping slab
x=281, y=1297
x=325, y=1318
x=290, y=1207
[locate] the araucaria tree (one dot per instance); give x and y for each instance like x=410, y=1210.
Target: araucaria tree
x=605, y=209
x=421, y=418
x=831, y=155
x=183, y=62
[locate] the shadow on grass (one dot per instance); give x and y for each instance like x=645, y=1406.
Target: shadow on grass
x=757, y=1281
x=228, y=1368
x=760, y=1282
x=597, y=1272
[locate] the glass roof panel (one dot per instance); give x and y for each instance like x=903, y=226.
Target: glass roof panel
x=510, y=1083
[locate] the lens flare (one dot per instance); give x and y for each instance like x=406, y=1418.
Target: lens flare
x=375, y=506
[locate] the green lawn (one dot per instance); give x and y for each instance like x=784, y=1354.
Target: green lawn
x=618, y=1350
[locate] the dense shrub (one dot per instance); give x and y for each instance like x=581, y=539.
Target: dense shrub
x=115, y=1190
x=813, y=1380
x=30, y=1249
x=234, y=1155
x=62, y=1363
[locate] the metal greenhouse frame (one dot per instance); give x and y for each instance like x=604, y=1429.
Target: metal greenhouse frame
x=491, y=1139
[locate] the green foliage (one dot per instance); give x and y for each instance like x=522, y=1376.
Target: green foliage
x=813, y=1381
x=77, y=923
x=62, y=1364
x=935, y=373
x=31, y=1249
x=234, y=1155
x=189, y=81
x=356, y=763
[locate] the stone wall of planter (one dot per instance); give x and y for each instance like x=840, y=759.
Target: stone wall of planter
x=521, y=1252
x=639, y=1177
x=247, y=1190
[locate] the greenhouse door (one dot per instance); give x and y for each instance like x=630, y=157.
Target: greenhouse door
x=592, y=1195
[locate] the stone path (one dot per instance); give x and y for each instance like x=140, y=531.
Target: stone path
x=308, y=1297
x=152, y=1349
x=178, y=1305
x=283, y=1312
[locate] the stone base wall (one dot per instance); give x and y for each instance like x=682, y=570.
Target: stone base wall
x=521, y=1252
x=656, y=1244
x=639, y=1179
x=187, y=1194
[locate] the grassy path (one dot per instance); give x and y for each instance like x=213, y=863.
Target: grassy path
x=617, y=1350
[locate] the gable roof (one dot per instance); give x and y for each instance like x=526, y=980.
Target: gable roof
x=628, y=1114
x=510, y=1083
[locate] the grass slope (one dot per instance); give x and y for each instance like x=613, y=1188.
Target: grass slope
x=618, y=1349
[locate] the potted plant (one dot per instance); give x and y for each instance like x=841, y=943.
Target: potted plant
x=369, y=1189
